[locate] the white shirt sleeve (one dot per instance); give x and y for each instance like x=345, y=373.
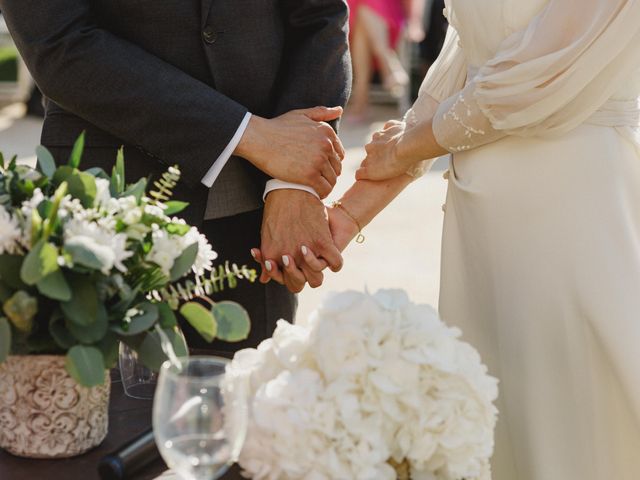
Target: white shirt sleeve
x=275, y=184
x=213, y=173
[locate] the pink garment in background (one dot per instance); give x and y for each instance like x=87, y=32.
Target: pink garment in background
x=391, y=10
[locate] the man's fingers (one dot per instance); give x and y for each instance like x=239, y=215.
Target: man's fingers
x=329, y=174
x=333, y=257
x=336, y=164
x=314, y=279
x=322, y=114
x=322, y=187
x=313, y=262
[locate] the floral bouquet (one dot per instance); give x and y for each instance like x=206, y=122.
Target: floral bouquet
x=87, y=261
x=371, y=387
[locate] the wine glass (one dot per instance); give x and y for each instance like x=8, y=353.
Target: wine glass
x=138, y=380
x=199, y=428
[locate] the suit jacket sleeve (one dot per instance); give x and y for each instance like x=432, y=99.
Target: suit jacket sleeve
x=121, y=88
x=318, y=67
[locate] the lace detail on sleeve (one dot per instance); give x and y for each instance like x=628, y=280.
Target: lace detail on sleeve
x=424, y=108
x=460, y=124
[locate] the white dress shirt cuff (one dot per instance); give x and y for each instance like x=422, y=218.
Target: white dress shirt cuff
x=281, y=185
x=213, y=173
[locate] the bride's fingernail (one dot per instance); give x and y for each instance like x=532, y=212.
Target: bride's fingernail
x=305, y=250
x=253, y=253
x=268, y=265
x=285, y=260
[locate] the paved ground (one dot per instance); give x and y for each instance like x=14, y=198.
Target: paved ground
x=402, y=249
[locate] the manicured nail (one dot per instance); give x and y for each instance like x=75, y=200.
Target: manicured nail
x=305, y=250
x=253, y=253
x=285, y=260
x=268, y=265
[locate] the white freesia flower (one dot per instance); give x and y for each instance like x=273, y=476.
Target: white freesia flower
x=364, y=380
x=103, y=194
x=10, y=233
x=109, y=247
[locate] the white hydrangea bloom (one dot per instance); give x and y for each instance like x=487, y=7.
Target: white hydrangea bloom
x=365, y=379
x=166, y=248
x=10, y=233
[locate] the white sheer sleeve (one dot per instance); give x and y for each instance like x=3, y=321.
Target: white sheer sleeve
x=548, y=78
x=446, y=76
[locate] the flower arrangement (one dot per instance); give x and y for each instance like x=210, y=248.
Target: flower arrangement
x=87, y=261
x=371, y=387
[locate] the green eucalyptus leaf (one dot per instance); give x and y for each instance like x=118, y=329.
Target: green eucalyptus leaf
x=82, y=309
x=97, y=172
x=86, y=365
x=55, y=286
x=21, y=309
x=45, y=161
x=201, y=319
x=10, y=266
x=233, y=321
x=140, y=323
x=137, y=189
x=63, y=173
x=60, y=333
x=87, y=252
x=109, y=346
x=174, y=206
x=41, y=261
x=184, y=262
x=150, y=349
x=83, y=187
x=5, y=339
x=77, y=151
x=167, y=317
x=94, y=332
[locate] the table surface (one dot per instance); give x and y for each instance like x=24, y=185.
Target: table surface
x=128, y=418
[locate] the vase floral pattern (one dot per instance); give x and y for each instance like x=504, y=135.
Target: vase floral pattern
x=44, y=413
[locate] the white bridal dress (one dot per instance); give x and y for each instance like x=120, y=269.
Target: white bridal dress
x=538, y=100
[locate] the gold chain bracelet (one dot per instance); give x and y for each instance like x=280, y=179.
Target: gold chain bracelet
x=360, y=238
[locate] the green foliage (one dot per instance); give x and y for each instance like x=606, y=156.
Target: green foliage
x=184, y=262
x=86, y=365
x=82, y=297
x=233, y=321
x=200, y=319
x=21, y=309
x=55, y=286
x=76, y=152
x=45, y=161
x=41, y=261
x=5, y=339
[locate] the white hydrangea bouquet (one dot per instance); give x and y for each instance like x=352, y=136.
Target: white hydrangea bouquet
x=87, y=262
x=371, y=387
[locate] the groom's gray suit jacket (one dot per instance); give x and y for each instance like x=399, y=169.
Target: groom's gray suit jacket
x=174, y=78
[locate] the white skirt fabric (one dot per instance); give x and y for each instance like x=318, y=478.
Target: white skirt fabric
x=541, y=270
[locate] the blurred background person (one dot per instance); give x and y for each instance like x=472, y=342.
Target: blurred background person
x=376, y=29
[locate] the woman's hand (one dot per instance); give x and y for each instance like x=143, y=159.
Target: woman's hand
x=298, y=147
x=383, y=161
x=343, y=230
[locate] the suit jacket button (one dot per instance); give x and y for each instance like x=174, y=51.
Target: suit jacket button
x=209, y=35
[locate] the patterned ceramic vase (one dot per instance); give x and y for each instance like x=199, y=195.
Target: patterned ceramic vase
x=44, y=413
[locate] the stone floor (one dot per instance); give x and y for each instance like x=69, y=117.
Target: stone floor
x=402, y=249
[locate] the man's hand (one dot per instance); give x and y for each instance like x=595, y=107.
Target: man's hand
x=293, y=218
x=298, y=147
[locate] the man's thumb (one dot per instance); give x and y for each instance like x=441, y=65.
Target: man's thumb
x=323, y=114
